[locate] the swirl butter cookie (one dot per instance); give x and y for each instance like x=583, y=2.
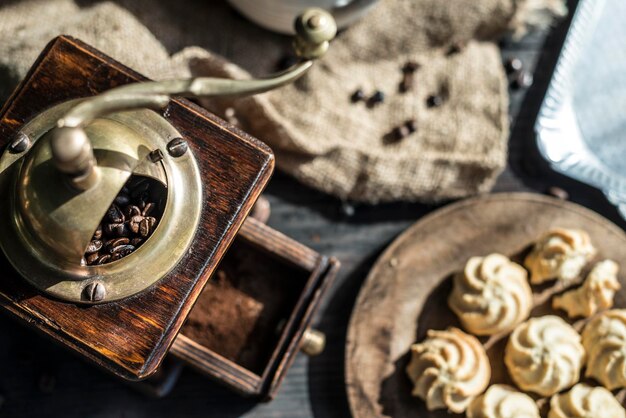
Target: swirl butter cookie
x=559, y=254
x=502, y=401
x=544, y=355
x=595, y=294
x=448, y=369
x=491, y=295
x=604, y=339
x=584, y=401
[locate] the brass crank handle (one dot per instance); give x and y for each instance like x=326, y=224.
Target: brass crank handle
x=71, y=149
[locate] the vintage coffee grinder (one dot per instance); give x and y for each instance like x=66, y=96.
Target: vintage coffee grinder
x=120, y=201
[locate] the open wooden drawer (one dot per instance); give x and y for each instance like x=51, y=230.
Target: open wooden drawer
x=249, y=322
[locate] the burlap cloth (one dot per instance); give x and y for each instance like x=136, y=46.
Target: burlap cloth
x=318, y=136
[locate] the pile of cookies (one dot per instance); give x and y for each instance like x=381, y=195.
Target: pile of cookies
x=544, y=355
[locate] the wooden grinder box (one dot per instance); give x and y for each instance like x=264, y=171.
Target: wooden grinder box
x=245, y=314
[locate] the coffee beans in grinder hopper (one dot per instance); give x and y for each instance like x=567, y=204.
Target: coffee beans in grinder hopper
x=128, y=222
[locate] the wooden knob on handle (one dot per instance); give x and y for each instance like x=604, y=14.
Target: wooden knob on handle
x=73, y=155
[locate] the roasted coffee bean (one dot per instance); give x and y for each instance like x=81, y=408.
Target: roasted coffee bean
x=148, y=209
x=103, y=259
x=146, y=225
x=408, y=76
x=135, y=211
x=411, y=125
x=357, y=96
x=456, y=47
x=122, y=199
x=131, y=211
x=434, y=100
x=144, y=228
x=98, y=233
x=121, y=230
x=142, y=200
x=115, y=215
x=126, y=249
x=122, y=250
x=410, y=67
x=115, y=257
x=513, y=65
x=112, y=229
x=377, y=98
x=407, y=82
x=136, y=241
x=91, y=258
x=134, y=223
x=116, y=242
x=401, y=132
x=94, y=246
x=109, y=229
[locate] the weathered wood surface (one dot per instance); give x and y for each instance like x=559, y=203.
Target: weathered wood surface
x=407, y=290
x=313, y=387
x=130, y=337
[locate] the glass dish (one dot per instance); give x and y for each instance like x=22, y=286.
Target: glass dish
x=581, y=127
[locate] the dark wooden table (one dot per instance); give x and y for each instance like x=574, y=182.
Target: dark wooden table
x=38, y=379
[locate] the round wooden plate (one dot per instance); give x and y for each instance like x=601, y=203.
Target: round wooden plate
x=406, y=292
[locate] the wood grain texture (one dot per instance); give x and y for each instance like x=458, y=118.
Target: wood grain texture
x=406, y=291
x=318, y=273
x=131, y=337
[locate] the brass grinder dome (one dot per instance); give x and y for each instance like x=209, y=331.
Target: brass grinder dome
x=48, y=224
x=66, y=166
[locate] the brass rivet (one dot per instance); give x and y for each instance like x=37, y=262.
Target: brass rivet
x=177, y=147
x=313, y=342
x=20, y=144
x=95, y=291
